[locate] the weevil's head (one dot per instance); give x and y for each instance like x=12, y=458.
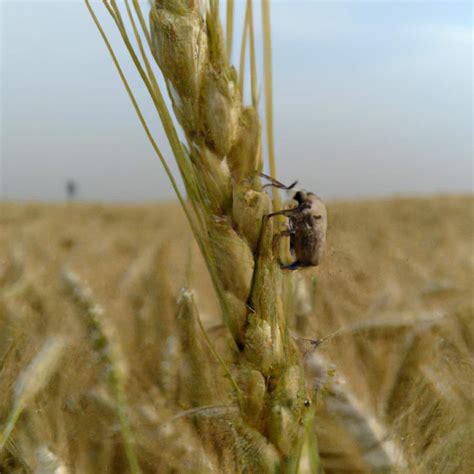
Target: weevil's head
x=302, y=196
x=312, y=202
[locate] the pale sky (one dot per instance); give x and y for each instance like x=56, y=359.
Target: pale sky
x=370, y=99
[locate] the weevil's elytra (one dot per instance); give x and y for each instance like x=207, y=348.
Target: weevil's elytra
x=307, y=224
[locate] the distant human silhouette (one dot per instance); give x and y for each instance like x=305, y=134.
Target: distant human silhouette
x=71, y=189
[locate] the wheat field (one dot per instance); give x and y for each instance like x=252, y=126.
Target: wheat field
x=393, y=296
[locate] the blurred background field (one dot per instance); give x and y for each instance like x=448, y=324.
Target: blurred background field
x=97, y=316
x=396, y=282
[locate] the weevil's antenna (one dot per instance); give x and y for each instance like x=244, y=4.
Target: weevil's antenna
x=277, y=184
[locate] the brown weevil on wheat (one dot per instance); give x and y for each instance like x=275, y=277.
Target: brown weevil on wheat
x=307, y=224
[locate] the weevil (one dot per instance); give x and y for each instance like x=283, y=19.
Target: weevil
x=307, y=224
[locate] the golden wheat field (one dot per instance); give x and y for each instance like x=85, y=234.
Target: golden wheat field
x=394, y=383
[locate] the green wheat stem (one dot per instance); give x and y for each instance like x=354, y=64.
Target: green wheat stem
x=127, y=436
x=229, y=27
x=143, y=25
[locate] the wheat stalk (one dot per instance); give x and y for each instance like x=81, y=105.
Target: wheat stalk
x=220, y=165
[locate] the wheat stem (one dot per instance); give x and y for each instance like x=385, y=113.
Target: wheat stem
x=144, y=27
x=121, y=406
x=229, y=28
x=243, y=46
x=253, y=61
x=268, y=93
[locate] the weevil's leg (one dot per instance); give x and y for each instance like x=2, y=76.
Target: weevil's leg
x=292, y=266
x=276, y=183
x=276, y=241
x=283, y=212
x=290, y=211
